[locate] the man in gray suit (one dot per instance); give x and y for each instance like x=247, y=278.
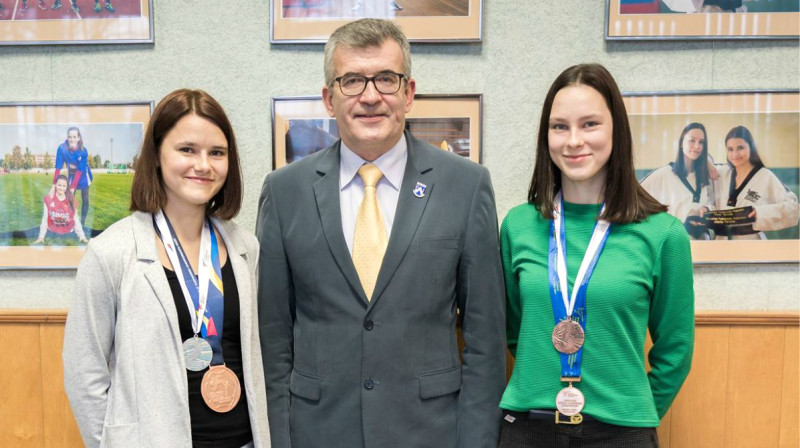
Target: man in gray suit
x=361, y=281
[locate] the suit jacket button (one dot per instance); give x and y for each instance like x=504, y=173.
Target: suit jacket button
x=369, y=384
x=369, y=325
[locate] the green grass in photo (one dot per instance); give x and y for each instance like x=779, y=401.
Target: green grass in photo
x=21, y=205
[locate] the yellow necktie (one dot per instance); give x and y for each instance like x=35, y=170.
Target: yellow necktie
x=370, y=241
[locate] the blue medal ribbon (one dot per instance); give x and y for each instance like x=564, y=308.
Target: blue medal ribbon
x=214, y=312
x=574, y=306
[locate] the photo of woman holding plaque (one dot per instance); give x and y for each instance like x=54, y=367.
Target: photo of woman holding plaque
x=750, y=197
x=684, y=185
x=592, y=262
x=161, y=347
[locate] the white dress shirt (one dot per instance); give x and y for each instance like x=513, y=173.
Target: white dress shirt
x=351, y=188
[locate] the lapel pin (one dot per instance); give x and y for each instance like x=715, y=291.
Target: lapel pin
x=419, y=189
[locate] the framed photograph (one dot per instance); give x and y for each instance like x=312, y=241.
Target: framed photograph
x=702, y=19
x=70, y=22
x=727, y=164
x=65, y=176
x=301, y=126
x=313, y=21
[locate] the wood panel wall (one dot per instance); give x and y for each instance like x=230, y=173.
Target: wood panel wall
x=743, y=391
x=744, y=387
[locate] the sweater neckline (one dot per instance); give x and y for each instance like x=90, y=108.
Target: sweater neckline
x=582, y=210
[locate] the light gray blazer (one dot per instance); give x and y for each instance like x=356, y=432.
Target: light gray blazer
x=124, y=371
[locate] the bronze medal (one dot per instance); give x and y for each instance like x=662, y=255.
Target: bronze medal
x=220, y=388
x=568, y=337
x=570, y=401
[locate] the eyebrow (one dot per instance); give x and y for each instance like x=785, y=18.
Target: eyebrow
x=584, y=117
x=193, y=144
x=377, y=73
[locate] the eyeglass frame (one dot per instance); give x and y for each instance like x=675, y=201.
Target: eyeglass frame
x=368, y=79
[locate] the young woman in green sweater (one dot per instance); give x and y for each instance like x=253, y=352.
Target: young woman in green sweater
x=591, y=263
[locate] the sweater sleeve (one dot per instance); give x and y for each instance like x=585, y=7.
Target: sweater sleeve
x=781, y=212
x=513, y=308
x=76, y=219
x=671, y=321
x=59, y=164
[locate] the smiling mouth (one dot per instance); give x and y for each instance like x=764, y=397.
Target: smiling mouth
x=576, y=158
x=370, y=117
x=201, y=180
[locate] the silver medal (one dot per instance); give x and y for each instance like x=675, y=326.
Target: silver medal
x=197, y=353
x=570, y=401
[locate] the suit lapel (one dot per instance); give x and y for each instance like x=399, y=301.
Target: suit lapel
x=144, y=236
x=326, y=192
x=408, y=214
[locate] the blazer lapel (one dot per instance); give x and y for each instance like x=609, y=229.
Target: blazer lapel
x=409, y=212
x=144, y=235
x=326, y=191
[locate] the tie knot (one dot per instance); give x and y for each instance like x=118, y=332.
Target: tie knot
x=370, y=174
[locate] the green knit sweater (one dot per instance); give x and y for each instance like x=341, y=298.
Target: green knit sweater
x=643, y=279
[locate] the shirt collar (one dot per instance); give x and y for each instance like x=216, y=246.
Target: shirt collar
x=392, y=164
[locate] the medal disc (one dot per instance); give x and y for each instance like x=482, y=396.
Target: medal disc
x=220, y=388
x=568, y=337
x=570, y=401
x=197, y=353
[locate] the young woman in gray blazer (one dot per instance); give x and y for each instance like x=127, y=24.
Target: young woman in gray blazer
x=161, y=345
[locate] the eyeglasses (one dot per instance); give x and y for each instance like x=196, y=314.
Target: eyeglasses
x=386, y=83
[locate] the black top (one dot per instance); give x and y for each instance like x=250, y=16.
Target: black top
x=209, y=428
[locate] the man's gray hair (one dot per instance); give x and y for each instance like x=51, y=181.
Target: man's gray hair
x=365, y=33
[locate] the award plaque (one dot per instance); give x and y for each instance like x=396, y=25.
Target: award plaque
x=729, y=217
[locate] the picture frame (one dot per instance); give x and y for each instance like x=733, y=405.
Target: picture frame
x=43, y=214
x=701, y=19
x=660, y=123
x=301, y=126
x=57, y=22
x=313, y=21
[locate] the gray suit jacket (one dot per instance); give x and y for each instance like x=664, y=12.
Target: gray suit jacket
x=345, y=372
x=124, y=371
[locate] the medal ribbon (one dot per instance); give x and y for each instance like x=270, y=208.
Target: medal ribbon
x=571, y=306
x=205, y=297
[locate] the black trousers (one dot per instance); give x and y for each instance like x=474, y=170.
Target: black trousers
x=84, y=204
x=542, y=432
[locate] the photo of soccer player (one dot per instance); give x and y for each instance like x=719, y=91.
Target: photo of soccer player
x=60, y=216
x=29, y=22
x=374, y=8
x=73, y=155
x=65, y=176
x=702, y=19
x=294, y=21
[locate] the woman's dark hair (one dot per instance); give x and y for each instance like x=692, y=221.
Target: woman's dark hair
x=80, y=136
x=744, y=134
x=147, y=191
x=626, y=201
x=699, y=166
x=68, y=193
